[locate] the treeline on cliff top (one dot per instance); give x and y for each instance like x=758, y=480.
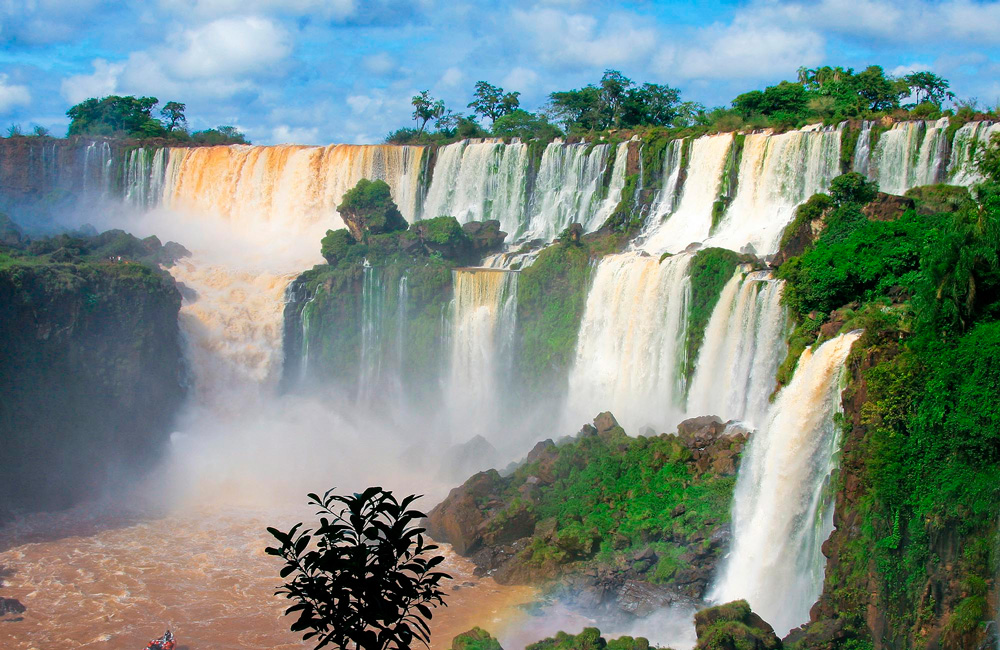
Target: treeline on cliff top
x=825, y=94
x=132, y=117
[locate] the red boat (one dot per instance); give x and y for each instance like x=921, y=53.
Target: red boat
x=165, y=642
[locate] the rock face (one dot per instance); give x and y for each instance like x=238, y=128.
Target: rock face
x=512, y=529
x=733, y=626
x=90, y=378
x=887, y=207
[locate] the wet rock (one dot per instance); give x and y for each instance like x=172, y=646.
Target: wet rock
x=642, y=598
x=704, y=427
x=467, y=458
x=678, y=510
x=887, y=207
x=486, y=236
x=458, y=519
x=11, y=606
x=605, y=422
x=820, y=635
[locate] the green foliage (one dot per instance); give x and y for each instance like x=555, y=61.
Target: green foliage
x=616, y=103
x=368, y=209
x=221, y=135
x=173, y=113
x=852, y=187
x=335, y=246
x=475, y=639
x=857, y=259
x=526, y=126
x=782, y=103
x=445, y=231
x=370, y=581
x=551, y=296
x=426, y=108
x=805, y=214
x=733, y=626
x=710, y=269
x=492, y=102
x=935, y=199
x=114, y=116
x=589, y=639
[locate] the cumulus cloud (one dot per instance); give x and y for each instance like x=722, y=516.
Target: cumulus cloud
x=379, y=64
x=523, y=80
x=101, y=82
x=12, y=95
x=285, y=134
x=577, y=39
x=227, y=47
x=453, y=76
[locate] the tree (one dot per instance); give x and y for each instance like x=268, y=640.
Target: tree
x=426, y=108
x=650, y=105
x=173, y=112
x=368, y=209
x=928, y=87
x=491, y=101
x=369, y=582
x=614, y=91
x=581, y=108
x=876, y=91
x=115, y=115
x=852, y=187
x=526, y=126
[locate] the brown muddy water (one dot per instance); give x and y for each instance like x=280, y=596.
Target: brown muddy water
x=115, y=581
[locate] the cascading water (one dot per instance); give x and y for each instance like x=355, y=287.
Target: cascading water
x=781, y=508
x=692, y=220
x=569, y=188
x=969, y=139
x=863, y=150
x=743, y=347
x=777, y=172
x=910, y=154
x=483, y=319
x=144, y=171
x=628, y=350
x=372, y=307
x=473, y=181
x=666, y=199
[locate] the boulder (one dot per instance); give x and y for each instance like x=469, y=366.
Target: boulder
x=733, y=626
x=11, y=606
x=458, y=519
x=486, y=236
x=887, y=207
x=642, y=598
x=605, y=422
x=475, y=639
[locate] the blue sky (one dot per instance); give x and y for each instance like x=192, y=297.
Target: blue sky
x=321, y=71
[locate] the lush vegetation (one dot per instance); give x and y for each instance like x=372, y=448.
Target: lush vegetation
x=926, y=289
x=590, y=639
x=710, y=269
x=132, y=117
x=551, y=296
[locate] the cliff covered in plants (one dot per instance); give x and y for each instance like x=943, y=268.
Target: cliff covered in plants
x=91, y=374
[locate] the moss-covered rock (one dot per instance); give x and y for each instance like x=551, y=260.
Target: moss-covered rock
x=733, y=626
x=475, y=639
x=935, y=199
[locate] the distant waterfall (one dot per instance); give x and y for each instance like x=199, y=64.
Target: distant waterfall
x=473, y=181
x=743, y=347
x=628, y=351
x=569, y=188
x=372, y=326
x=483, y=318
x=863, y=150
x=969, y=140
x=777, y=172
x=666, y=199
x=691, y=221
x=782, y=512
x=910, y=154
x=144, y=173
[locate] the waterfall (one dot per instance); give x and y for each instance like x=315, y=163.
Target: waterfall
x=628, y=351
x=863, y=150
x=744, y=345
x=777, y=172
x=692, y=220
x=781, y=507
x=286, y=191
x=372, y=307
x=910, y=154
x=144, y=173
x=473, y=181
x=569, y=188
x=483, y=318
x=969, y=140
x=666, y=199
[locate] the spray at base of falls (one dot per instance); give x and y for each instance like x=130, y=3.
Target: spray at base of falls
x=744, y=345
x=630, y=338
x=483, y=318
x=782, y=510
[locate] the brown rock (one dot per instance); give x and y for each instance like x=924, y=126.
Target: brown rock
x=458, y=519
x=887, y=207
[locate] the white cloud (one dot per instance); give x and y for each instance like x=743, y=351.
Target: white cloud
x=522, y=80
x=360, y=103
x=102, y=82
x=379, y=64
x=901, y=70
x=12, y=95
x=575, y=40
x=285, y=134
x=226, y=47
x=744, y=49
x=336, y=9
x=452, y=77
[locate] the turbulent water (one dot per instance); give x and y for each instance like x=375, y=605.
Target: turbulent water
x=910, y=154
x=482, y=332
x=629, y=342
x=781, y=509
x=743, y=346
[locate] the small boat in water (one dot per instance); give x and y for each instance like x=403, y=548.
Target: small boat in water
x=165, y=642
